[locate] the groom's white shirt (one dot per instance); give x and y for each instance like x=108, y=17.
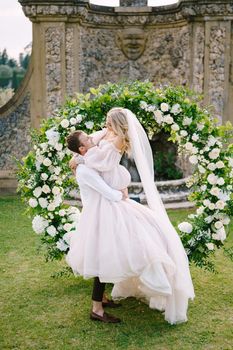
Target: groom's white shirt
x=90, y=183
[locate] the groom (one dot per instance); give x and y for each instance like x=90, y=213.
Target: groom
x=91, y=184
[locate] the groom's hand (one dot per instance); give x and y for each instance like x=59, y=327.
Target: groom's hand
x=125, y=193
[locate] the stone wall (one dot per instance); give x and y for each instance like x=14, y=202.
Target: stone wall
x=77, y=45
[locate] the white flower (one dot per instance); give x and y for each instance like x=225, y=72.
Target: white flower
x=67, y=237
x=200, y=210
x=43, y=202
x=47, y=162
x=44, y=176
x=150, y=108
x=75, y=217
x=46, y=189
x=58, y=146
x=224, y=196
x=209, y=219
x=52, y=136
x=176, y=109
x=168, y=119
x=214, y=154
x=210, y=246
x=206, y=202
x=51, y=230
x=73, y=121
x=225, y=219
x=39, y=224
x=68, y=227
x=185, y=227
x=201, y=169
x=203, y=188
x=220, y=235
x=33, y=202
x=89, y=125
x=61, y=245
x=193, y=159
x=211, y=141
x=220, y=181
x=220, y=204
x=195, y=137
x=51, y=207
x=37, y=192
x=187, y=121
x=143, y=105
x=175, y=127
x=164, y=107
x=57, y=200
x=56, y=190
x=220, y=164
x=211, y=206
x=188, y=146
x=72, y=129
x=200, y=126
x=79, y=118
x=158, y=116
x=211, y=166
x=212, y=179
x=57, y=170
x=215, y=191
x=62, y=212
x=65, y=123
x=218, y=224
x=183, y=133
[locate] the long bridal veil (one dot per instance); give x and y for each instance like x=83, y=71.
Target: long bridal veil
x=142, y=155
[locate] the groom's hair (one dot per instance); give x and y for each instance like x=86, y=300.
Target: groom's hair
x=73, y=141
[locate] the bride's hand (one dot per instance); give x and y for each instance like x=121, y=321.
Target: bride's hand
x=125, y=193
x=73, y=164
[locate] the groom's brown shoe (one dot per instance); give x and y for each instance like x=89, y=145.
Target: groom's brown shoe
x=110, y=303
x=107, y=318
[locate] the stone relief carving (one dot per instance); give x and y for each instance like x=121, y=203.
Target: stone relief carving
x=132, y=42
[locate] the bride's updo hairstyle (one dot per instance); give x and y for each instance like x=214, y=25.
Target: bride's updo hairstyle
x=119, y=125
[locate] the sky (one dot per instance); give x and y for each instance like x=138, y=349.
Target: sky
x=16, y=29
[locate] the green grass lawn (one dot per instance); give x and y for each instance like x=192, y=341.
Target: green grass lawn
x=38, y=312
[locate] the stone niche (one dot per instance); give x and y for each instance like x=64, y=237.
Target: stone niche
x=77, y=45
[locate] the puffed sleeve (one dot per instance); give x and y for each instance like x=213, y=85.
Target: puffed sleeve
x=104, y=158
x=98, y=135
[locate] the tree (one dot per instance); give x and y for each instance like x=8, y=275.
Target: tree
x=4, y=57
x=5, y=75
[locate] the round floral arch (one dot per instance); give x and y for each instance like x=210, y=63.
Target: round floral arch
x=44, y=176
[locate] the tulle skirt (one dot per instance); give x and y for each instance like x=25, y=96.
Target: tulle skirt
x=123, y=243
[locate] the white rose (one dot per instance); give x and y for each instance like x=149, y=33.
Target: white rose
x=47, y=162
x=200, y=210
x=211, y=141
x=214, y=154
x=68, y=227
x=51, y=207
x=211, y=206
x=183, y=133
x=46, y=189
x=89, y=125
x=57, y=170
x=75, y=217
x=188, y=146
x=215, y=191
x=209, y=219
x=65, y=123
x=57, y=200
x=33, y=202
x=220, y=235
x=201, y=169
x=220, y=164
x=164, y=107
x=62, y=212
x=43, y=202
x=203, y=187
x=212, y=179
x=175, y=127
x=187, y=121
x=73, y=121
x=79, y=118
x=220, y=204
x=220, y=181
x=37, y=192
x=143, y=105
x=185, y=227
x=206, y=202
x=210, y=246
x=194, y=150
x=211, y=166
x=200, y=126
x=168, y=119
x=67, y=237
x=56, y=190
x=52, y=135
x=44, y=176
x=225, y=220
x=158, y=116
x=61, y=245
x=51, y=230
x=218, y=224
x=176, y=109
x=224, y=196
x=39, y=224
x=195, y=137
x=193, y=159
x=58, y=146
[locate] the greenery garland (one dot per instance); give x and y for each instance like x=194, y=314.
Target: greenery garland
x=44, y=176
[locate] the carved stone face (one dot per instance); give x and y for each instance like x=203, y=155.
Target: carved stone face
x=132, y=42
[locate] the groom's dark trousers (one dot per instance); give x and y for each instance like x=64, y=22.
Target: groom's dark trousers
x=98, y=290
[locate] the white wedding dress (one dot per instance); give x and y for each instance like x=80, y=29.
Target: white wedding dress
x=123, y=243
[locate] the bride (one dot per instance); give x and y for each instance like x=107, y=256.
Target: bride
x=125, y=243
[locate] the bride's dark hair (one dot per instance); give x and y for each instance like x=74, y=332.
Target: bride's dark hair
x=119, y=126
